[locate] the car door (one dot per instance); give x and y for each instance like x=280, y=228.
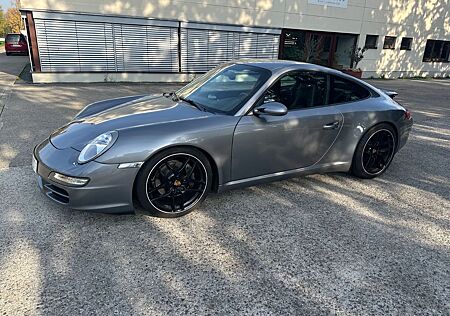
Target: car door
x=267, y=144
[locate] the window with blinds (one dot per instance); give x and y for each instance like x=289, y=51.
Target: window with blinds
x=203, y=49
x=97, y=46
x=87, y=43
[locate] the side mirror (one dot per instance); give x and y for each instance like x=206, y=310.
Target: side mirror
x=271, y=108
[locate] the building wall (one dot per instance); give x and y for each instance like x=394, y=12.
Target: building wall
x=419, y=19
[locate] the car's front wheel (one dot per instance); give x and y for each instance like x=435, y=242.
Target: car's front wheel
x=174, y=182
x=374, y=152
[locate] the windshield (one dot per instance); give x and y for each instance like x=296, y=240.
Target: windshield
x=225, y=89
x=12, y=38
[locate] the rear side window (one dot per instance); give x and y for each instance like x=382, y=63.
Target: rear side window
x=343, y=90
x=12, y=38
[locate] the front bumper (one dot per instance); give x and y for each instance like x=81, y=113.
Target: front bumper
x=109, y=189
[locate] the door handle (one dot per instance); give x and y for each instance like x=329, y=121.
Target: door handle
x=333, y=125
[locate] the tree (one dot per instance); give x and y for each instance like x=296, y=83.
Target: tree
x=356, y=54
x=305, y=48
x=13, y=19
x=312, y=48
x=2, y=23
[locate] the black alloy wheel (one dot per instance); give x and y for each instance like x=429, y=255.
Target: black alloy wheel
x=374, y=152
x=378, y=151
x=175, y=183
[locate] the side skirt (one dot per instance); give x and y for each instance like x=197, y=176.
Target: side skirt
x=282, y=175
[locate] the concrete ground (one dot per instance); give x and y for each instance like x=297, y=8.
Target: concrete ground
x=322, y=244
x=10, y=68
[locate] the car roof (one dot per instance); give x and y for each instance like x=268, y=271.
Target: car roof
x=277, y=64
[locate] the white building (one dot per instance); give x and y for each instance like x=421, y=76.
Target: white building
x=170, y=40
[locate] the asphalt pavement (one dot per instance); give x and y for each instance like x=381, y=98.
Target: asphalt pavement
x=317, y=245
x=10, y=68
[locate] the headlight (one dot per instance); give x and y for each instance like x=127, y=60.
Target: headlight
x=97, y=146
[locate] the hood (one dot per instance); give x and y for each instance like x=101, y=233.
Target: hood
x=144, y=111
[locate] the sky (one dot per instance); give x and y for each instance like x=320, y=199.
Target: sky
x=5, y=4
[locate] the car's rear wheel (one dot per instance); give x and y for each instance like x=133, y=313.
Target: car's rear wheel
x=174, y=182
x=8, y=53
x=374, y=152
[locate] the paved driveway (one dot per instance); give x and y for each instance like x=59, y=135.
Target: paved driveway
x=323, y=244
x=10, y=68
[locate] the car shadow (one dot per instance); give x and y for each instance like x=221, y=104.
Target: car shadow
x=321, y=244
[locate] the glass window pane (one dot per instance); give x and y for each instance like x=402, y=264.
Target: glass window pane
x=227, y=89
x=343, y=90
x=344, y=45
x=445, y=52
x=12, y=38
x=428, y=49
x=389, y=42
x=299, y=90
x=294, y=45
x=436, y=52
x=406, y=43
x=371, y=41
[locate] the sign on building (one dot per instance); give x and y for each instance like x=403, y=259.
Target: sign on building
x=332, y=3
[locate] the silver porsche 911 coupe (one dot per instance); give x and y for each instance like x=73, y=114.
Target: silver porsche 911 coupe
x=240, y=124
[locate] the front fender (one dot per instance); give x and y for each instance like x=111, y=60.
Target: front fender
x=212, y=134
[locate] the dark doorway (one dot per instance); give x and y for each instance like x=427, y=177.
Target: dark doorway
x=322, y=48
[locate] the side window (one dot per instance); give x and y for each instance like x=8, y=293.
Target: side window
x=343, y=90
x=300, y=90
x=281, y=91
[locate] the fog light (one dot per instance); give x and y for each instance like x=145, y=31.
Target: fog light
x=71, y=181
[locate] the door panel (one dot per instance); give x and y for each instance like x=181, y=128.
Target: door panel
x=268, y=144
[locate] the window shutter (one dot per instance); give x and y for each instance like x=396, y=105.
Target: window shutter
x=162, y=47
x=57, y=52
x=220, y=48
x=95, y=46
x=99, y=46
x=85, y=43
x=194, y=50
x=247, y=45
x=267, y=46
x=204, y=46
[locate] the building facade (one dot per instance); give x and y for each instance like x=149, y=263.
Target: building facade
x=172, y=40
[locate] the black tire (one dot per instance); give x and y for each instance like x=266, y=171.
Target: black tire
x=8, y=54
x=183, y=176
x=374, y=152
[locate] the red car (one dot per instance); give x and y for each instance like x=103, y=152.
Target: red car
x=16, y=44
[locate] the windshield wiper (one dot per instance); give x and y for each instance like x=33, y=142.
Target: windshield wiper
x=191, y=102
x=168, y=94
x=175, y=97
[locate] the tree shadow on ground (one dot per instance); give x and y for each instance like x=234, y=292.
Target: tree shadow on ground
x=322, y=244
